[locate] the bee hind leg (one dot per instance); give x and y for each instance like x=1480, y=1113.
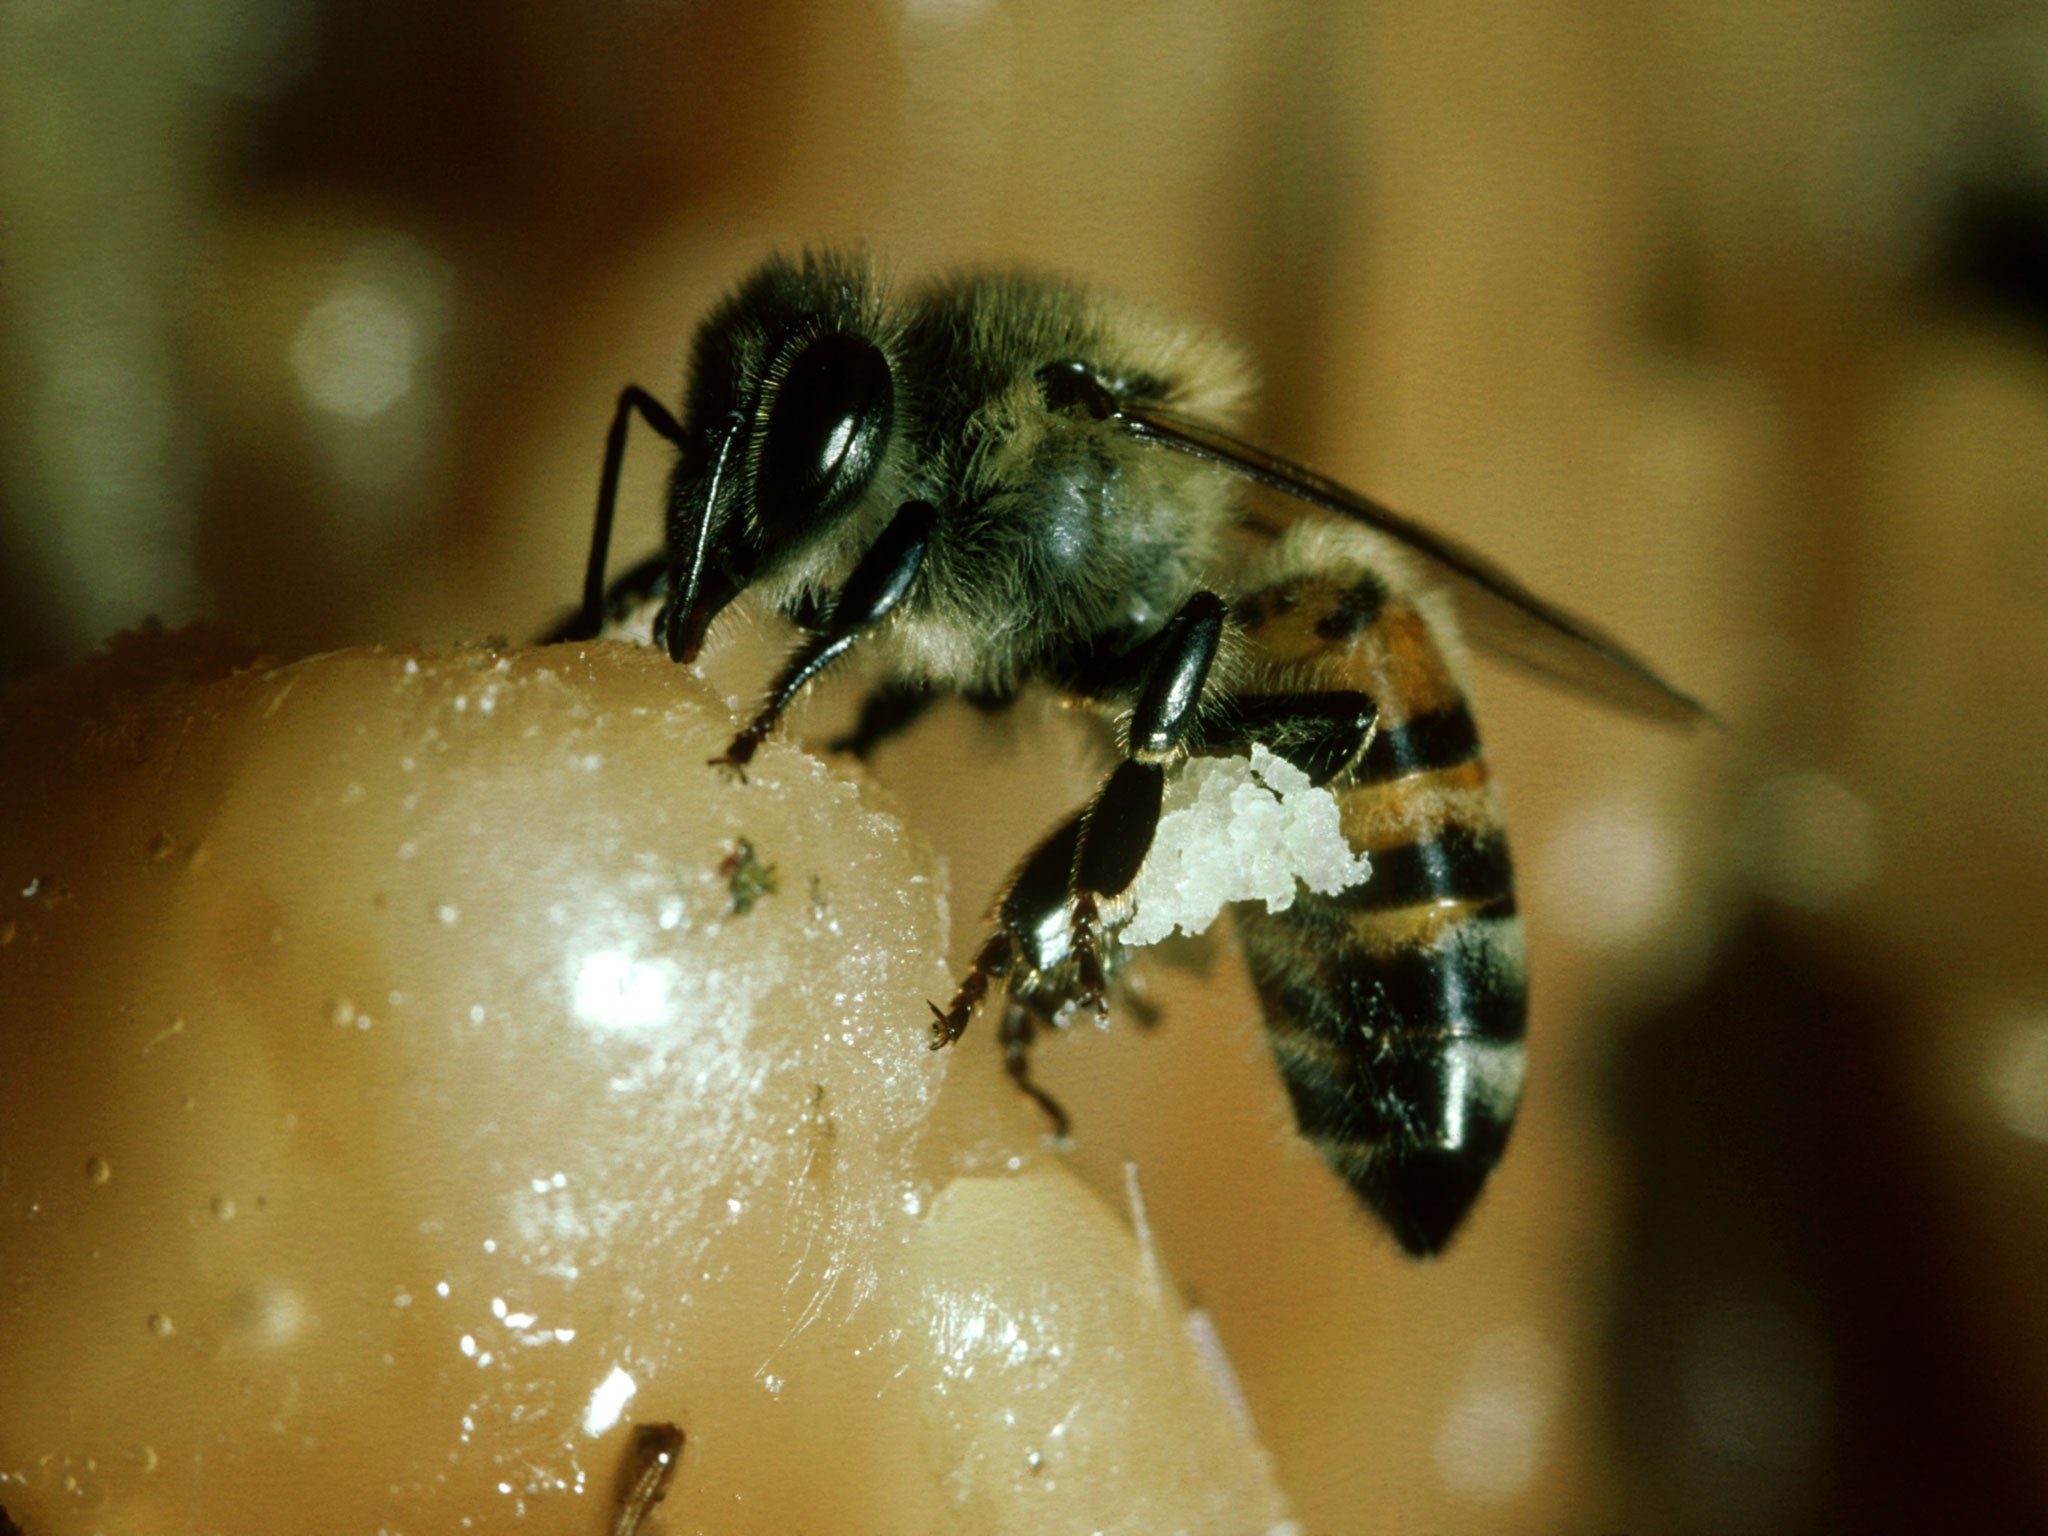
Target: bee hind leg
x=1118, y=828
x=1091, y=859
x=992, y=964
x=1027, y=936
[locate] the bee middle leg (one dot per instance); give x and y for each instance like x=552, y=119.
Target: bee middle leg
x=895, y=706
x=890, y=710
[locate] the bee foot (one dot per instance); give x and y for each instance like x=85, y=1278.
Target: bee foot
x=1060, y=1135
x=992, y=962
x=1086, y=928
x=736, y=757
x=949, y=1024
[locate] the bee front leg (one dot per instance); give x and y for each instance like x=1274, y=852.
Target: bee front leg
x=881, y=581
x=643, y=578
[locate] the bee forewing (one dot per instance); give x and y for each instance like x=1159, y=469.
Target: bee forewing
x=1502, y=615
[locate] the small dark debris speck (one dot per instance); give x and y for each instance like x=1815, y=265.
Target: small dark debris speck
x=747, y=878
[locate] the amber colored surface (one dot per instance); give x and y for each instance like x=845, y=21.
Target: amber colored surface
x=1721, y=322
x=401, y=1100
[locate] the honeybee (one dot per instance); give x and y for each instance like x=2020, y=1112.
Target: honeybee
x=1001, y=478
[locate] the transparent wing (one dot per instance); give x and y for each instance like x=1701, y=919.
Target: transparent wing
x=1500, y=613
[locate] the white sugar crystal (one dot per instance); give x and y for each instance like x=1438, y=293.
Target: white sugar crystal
x=1235, y=828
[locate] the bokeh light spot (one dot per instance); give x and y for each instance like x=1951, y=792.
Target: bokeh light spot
x=1490, y=1446
x=2017, y=1078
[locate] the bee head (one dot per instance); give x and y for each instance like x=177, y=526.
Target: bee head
x=791, y=408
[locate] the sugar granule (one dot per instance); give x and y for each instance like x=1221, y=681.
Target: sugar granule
x=1234, y=828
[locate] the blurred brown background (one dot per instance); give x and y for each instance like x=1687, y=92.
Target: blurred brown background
x=1723, y=323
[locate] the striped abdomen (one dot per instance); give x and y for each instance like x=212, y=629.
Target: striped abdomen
x=1395, y=1009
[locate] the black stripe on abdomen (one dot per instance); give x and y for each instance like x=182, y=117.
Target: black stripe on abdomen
x=1443, y=738
x=1403, y=1065
x=1332, y=987
x=1457, y=864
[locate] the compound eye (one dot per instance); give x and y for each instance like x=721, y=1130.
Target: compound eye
x=826, y=430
